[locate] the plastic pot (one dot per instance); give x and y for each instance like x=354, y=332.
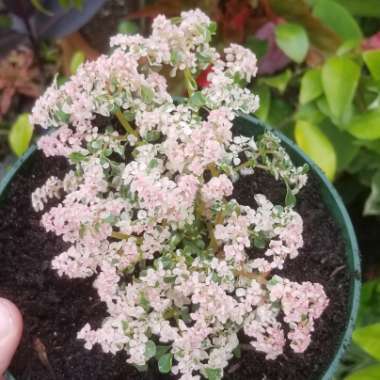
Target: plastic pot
x=250, y=126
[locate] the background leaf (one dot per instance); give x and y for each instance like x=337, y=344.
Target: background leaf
x=368, y=338
x=372, y=60
x=338, y=19
x=298, y=11
x=265, y=97
x=293, y=41
x=20, y=134
x=368, y=373
x=345, y=146
x=279, y=82
x=317, y=146
x=77, y=59
x=364, y=8
x=340, y=77
x=366, y=126
x=372, y=204
x=311, y=86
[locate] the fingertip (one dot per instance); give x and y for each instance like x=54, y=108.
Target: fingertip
x=10, y=332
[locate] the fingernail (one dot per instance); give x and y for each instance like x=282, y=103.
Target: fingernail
x=6, y=320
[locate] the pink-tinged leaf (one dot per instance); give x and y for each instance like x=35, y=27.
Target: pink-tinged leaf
x=274, y=59
x=372, y=43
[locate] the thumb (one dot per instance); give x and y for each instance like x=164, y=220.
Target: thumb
x=10, y=332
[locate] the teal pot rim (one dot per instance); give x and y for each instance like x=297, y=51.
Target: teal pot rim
x=249, y=125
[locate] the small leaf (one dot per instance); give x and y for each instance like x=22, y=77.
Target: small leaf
x=279, y=82
x=340, y=77
x=338, y=18
x=311, y=86
x=264, y=95
x=368, y=338
x=372, y=207
x=213, y=373
x=317, y=146
x=20, y=134
x=77, y=59
x=147, y=94
x=150, y=349
x=161, y=350
x=165, y=363
x=367, y=373
x=290, y=198
x=197, y=100
x=127, y=27
x=372, y=60
x=366, y=126
x=293, y=41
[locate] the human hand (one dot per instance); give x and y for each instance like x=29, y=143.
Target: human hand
x=10, y=333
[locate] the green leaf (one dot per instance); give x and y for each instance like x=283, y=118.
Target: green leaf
x=372, y=204
x=368, y=338
x=311, y=86
x=298, y=11
x=147, y=94
x=340, y=77
x=165, y=363
x=161, y=350
x=213, y=374
x=5, y=22
x=372, y=60
x=309, y=112
x=290, y=198
x=366, y=126
x=367, y=373
x=20, y=134
x=317, y=146
x=279, y=82
x=338, y=18
x=150, y=349
x=76, y=60
x=259, y=47
x=293, y=41
x=345, y=146
x=127, y=27
x=197, y=100
x=362, y=8
x=265, y=97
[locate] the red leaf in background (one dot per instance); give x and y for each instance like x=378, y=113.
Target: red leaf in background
x=202, y=81
x=274, y=60
x=372, y=43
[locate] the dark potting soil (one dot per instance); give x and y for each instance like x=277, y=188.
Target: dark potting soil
x=105, y=23
x=55, y=309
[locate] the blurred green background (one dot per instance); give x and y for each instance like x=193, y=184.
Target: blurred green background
x=318, y=81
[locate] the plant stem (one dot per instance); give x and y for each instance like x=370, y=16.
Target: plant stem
x=191, y=84
x=124, y=122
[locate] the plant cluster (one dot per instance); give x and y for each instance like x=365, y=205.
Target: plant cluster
x=148, y=206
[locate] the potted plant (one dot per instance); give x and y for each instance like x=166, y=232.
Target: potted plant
x=163, y=239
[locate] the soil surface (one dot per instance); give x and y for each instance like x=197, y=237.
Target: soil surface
x=55, y=309
x=105, y=23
